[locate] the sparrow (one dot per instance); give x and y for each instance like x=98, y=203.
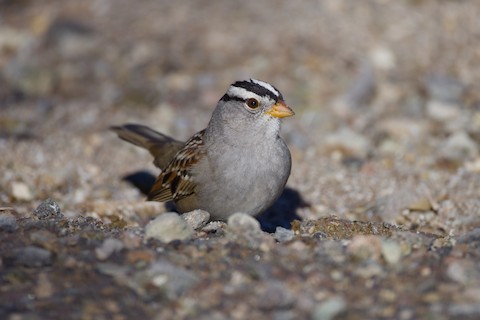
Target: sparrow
x=238, y=163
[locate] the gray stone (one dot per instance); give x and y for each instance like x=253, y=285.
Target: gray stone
x=196, y=218
x=329, y=308
x=243, y=222
x=274, y=295
x=459, y=147
x=8, y=222
x=441, y=111
x=217, y=227
x=391, y=251
x=168, y=227
x=472, y=236
x=48, y=209
x=282, y=234
x=348, y=142
x=244, y=229
x=108, y=247
x=444, y=88
x=169, y=278
x=33, y=257
x=464, y=310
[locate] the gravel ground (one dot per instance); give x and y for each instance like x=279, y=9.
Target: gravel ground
x=381, y=215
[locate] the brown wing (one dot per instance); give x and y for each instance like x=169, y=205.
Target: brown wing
x=175, y=181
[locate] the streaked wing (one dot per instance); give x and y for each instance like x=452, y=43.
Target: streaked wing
x=175, y=181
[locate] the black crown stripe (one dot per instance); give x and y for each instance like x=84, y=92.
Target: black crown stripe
x=258, y=89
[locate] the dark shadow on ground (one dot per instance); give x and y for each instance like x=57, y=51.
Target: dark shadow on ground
x=280, y=214
x=142, y=180
x=283, y=211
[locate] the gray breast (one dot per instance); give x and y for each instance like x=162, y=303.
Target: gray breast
x=252, y=180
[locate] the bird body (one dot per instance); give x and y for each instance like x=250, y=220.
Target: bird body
x=238, y=163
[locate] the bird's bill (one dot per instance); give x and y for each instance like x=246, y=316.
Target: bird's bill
x=280, y=110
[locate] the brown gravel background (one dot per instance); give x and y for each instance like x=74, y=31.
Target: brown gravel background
x=385, y=147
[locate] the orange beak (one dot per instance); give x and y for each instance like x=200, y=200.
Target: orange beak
x=280, y=110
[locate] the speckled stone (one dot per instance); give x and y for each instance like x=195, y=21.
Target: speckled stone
x=48, y=209
x=196, y=218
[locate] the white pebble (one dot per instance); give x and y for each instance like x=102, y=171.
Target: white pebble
x=168, y=227
x=20, y=191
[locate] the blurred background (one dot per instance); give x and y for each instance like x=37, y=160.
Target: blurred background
x=386, y=95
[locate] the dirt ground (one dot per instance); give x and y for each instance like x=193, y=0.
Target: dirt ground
x=381, y=215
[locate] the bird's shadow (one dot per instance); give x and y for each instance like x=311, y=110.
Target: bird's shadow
x=280, y=214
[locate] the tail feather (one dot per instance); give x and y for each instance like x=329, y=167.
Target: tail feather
x=161, y=146
x=140, y=135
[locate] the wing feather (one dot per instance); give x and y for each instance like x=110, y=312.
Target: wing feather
x=175, y=181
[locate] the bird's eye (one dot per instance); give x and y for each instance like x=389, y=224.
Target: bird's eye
x=252, y=103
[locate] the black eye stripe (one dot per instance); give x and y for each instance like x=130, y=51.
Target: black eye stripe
x=226, y=97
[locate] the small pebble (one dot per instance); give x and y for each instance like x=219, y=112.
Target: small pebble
x=132, y=238
x=364, y=247
x=173, y=280
x=245, y=229
x=196, y=218
x=441, y=111
x=348, y=142
x=243, y=222
x=281, y=234
x=214, y=227
x=391, y=251
x=274, y=295
x=168, y=227
x=472, y=236
x=444, y=88
x=329, y=309
x=21, y=191
x=459, y=147
x=464, y=310
x=108, y=247
x=461, y=271
x=8, y=222
x=33, y=257
x=48, y=209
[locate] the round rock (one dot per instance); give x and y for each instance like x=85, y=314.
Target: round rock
x=8, y=222
x=459, y=147
x=32, y=256
x=21, y=191
x=196, y=218
x=243, y=222
x=48, y=209
x=108, y=247
x=282, y=234
x=168, y=227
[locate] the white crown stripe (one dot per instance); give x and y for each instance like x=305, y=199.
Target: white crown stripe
x=240, y=93
x=267, y=86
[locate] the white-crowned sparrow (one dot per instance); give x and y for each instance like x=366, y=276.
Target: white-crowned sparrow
x=238, y=163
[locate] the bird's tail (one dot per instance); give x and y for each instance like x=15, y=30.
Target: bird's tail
x=161, y=146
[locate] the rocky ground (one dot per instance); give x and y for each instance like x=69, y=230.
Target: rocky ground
x=381, y=215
